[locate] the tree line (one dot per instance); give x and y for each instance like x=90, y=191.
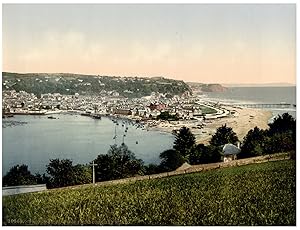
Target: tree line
x=120, y=162
x=137, y=87
x=279, y=137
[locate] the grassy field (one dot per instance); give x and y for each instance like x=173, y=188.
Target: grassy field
x=258, y=194
x=207, y=110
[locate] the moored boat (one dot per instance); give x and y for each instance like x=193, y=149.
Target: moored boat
x=97, y=116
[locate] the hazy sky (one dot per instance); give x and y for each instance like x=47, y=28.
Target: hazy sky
x=204, y=43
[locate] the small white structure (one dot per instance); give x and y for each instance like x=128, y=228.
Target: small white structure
x=230, y=152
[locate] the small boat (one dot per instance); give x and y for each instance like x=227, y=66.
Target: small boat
x=85, y=114
x=97, y=116
x=51, y=117
x=115, y=137
x=136, y=142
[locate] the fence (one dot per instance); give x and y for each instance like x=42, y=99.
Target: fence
x=191, y=169
x=202, y=167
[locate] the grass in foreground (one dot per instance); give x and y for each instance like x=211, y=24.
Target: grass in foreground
x=260, y=194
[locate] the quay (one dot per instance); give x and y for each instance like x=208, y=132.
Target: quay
x=24, y=113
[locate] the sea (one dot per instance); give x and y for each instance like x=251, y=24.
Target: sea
x=34, y=140
x=258, y=95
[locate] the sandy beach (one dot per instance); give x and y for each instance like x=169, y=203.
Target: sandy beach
x=241, y=122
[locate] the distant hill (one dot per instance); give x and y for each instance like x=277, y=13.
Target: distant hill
x=201, y=87
x=69, y=84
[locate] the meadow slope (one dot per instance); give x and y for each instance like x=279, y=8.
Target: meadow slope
x=257, y=194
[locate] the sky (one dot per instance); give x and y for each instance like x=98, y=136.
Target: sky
x=217, y=43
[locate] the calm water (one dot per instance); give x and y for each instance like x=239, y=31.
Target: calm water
x=74, y=137
x=257, y=94
x=271, y=95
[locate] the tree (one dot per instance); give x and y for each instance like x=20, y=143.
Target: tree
x=199, y=155
x=224, y=135
x=171, y=159
x=61, y=172
x=19, y=175
x=118, y=163
x=125, y=162
x=82, y=174
x=64, y=173
x=42, y=179
x=281, y=137
x=214, y=154
x=282, y=134
x=282, y=124
x=152, y=169
x=254, y=143
x=105, y=168
x=184, y=141
x=280, y=142
x=205, y=154
x=165, y=115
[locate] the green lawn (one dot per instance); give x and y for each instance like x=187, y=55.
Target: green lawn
x=207, y=110
x=259, y=194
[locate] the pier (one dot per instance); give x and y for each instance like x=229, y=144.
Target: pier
x=265, y=105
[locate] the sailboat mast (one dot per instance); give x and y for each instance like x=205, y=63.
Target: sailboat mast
x=115, y=134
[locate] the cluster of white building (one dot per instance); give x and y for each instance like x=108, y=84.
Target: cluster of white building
x=185, y=107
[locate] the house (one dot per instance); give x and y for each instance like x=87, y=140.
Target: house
x=154, y=113
x=157, y=106
x=230, y=152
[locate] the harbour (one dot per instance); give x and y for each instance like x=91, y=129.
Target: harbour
x=33, y=140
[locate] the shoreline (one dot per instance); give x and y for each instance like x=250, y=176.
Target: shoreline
x=241, y=120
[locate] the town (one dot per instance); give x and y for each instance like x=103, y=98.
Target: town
x=145, y=109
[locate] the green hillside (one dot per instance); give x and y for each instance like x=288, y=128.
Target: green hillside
x=258, y=194
x=69, y=84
